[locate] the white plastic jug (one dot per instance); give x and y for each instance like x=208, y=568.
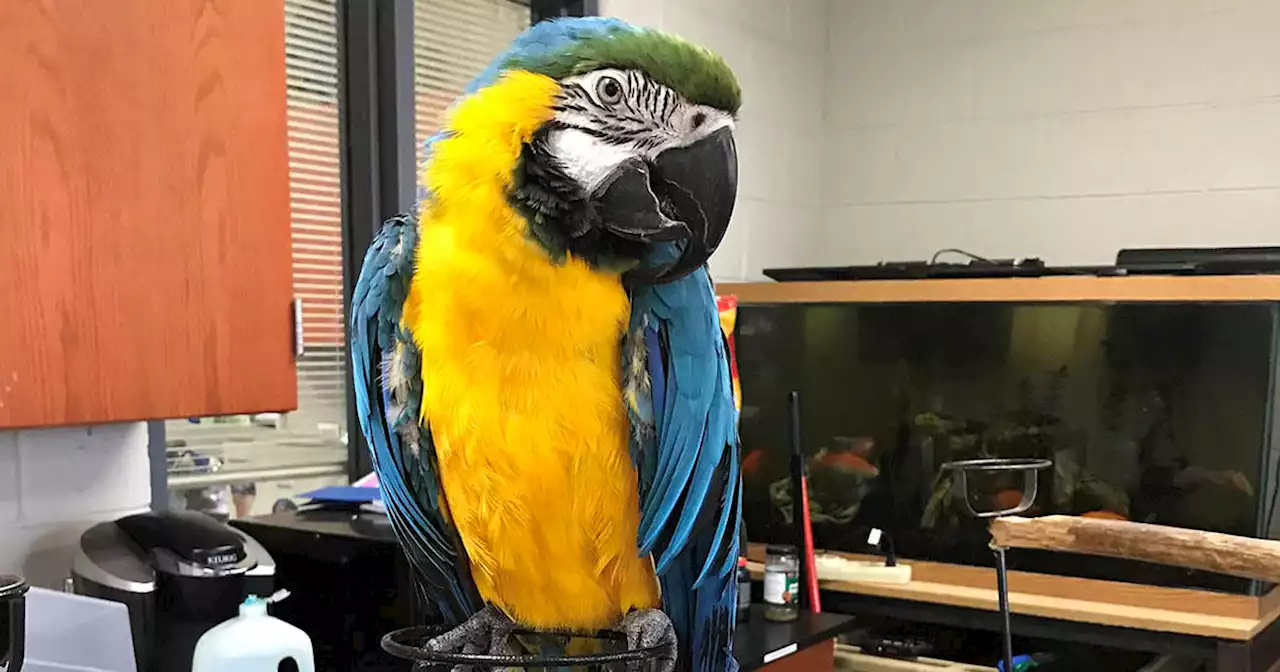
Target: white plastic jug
x=253, y=642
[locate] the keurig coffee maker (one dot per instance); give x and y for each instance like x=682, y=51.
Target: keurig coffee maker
x=178, y=573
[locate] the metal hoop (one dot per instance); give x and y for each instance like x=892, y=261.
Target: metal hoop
x=1030, y=483
x=407, y=643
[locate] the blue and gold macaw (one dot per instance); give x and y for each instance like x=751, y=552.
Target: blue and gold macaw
x=539, y=368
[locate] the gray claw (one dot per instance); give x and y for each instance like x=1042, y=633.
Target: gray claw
x=486, y=632
x=650, y=627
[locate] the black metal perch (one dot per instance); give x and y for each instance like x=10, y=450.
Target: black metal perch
x=407, y=643
x=1030, y=468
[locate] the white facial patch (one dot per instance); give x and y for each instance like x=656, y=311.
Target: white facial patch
x=586, y=158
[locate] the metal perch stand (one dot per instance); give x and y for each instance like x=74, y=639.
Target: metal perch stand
x=1030, y=469
x=408, y=643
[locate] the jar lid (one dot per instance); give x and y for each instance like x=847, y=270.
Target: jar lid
x=12, y=586
x=781, y=549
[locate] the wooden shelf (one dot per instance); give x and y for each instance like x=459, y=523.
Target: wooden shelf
x=1057, y=289
x=1110, y=603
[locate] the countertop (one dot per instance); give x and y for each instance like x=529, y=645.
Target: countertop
x=757, y=642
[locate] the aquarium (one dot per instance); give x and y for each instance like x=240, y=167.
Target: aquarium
x=1151, y=412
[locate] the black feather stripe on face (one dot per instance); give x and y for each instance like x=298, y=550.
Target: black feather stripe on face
x=642, y=118
x=561, y=218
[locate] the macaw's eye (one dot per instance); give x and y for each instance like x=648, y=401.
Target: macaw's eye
x=609, y=90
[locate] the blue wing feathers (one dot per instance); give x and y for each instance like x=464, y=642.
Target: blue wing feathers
x=406, y=473
x=726, y=539
x=688, y=466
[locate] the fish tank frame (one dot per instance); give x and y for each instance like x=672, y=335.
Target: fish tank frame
x=1239, y=598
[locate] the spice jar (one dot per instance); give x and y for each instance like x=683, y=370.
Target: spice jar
x=781, y=584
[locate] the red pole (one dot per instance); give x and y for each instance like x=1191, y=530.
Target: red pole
x=810, y=555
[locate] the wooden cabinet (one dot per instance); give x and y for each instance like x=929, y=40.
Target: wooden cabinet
x=144, y=211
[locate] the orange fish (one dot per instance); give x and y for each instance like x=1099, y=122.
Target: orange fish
x=849, y=463
x=1006, y=499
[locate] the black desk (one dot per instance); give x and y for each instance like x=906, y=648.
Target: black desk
x=758, y=642
x=347, y=577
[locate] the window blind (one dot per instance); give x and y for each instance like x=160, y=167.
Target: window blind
x=311, y=66
x=314, y=434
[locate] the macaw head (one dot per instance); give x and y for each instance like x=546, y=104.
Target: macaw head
x=634, y=164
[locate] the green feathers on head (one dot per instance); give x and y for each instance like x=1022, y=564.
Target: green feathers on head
x=694, y=72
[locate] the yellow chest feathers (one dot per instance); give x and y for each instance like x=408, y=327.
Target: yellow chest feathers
x=521, y=369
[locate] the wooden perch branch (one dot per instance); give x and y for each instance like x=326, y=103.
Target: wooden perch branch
x=1194, y=549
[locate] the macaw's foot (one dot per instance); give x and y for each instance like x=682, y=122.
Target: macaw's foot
x=650, y=627
x=488, y=632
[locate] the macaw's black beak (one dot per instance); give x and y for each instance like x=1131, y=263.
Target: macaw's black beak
x=686, y=194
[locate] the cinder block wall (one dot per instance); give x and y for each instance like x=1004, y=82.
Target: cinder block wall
x=54, y=483
x=1065, y=129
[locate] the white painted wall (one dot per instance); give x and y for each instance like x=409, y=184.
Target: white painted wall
x=778, y=50
x=54, y=483
x=1065, y=129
